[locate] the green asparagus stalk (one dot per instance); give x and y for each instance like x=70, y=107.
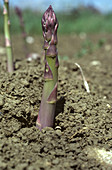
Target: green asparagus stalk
x=24, y=34
x=8, y=45
x=46, y=114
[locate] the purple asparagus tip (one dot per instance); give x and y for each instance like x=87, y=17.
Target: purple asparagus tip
x=50, y=25
x=18, y=11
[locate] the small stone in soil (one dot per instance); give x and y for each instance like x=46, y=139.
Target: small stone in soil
x=55, y=161
x=1, y=100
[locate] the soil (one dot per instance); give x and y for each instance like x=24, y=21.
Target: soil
x=82, y=136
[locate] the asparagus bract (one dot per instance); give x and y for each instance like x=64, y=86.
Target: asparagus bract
x=8, y=45
x=48, y=103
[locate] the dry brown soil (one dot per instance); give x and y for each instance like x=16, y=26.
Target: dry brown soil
x=82, y=136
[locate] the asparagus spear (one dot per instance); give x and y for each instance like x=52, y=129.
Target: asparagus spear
x=46, y=114
x=24, y=34
x=8, y=45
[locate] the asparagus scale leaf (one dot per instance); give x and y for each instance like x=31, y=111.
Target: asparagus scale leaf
x=8, y=45
x=46, y=114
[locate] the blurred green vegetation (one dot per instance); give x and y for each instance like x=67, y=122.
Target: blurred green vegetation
x=83, y=21
x=88, y=47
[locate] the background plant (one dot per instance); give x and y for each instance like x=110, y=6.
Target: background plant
x=7, y=34
x=23, y=30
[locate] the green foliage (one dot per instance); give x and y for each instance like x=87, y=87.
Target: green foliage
x=88, y=47
x=101, y=42
x=84, y=21
x=32, y=22
x=65, y=57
